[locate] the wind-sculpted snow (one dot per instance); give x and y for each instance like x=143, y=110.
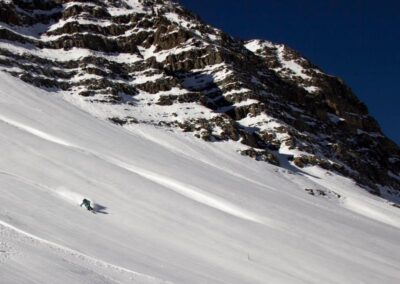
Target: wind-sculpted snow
x=175, y=209
x=34, y=131
x=192, y=192
x=177, y=186
x=184, y=189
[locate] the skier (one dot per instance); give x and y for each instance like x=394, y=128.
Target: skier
x=86, y=202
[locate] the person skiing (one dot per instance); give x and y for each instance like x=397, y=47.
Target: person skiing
x=86, y=202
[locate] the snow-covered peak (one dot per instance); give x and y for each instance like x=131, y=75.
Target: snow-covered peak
x=286, y=63
x=153, y=62
x=206, y=159
x=132, y=6
x=257, y=44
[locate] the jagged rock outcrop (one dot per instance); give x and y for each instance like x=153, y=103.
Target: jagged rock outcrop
x=154, y=62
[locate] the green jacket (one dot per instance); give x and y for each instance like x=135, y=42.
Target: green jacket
x=87, y=204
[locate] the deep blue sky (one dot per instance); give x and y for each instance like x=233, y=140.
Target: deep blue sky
x=357, y=40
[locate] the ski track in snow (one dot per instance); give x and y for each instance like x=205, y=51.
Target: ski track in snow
x=186, y=190
x=86, y=258
x=71, y=197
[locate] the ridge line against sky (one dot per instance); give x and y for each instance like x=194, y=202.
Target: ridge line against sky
x=356, y=40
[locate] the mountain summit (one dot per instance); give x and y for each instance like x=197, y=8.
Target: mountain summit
x=141, y=145
x=153, y=62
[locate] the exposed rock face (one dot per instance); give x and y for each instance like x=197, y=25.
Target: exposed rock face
x=151, y=61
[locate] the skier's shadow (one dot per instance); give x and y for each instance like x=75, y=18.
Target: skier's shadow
x=98, y=208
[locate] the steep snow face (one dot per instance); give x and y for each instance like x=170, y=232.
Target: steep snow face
x=172, y=208
x=153, y=62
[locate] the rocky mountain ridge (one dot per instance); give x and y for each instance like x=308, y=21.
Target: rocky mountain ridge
x=152, y=61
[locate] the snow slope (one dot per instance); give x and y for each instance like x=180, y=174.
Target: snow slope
x=171, y=208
